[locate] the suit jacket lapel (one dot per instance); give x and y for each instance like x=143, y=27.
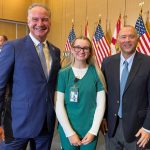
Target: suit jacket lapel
x=134, y=69
x=30, y=46
x=116, y=73
x=51, y=51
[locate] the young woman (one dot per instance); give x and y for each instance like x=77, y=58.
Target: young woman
x=80, y=99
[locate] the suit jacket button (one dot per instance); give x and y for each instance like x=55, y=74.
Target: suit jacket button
x=118, y=102
x=115, y=115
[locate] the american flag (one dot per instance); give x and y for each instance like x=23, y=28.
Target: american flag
x=100, y=44
x=115, y=36
x=70, y=39
x=144, y=41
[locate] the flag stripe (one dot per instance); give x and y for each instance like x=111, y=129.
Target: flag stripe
x=102, y=48
x=107, y=46
x=97, y=52
x=145, y=42
x=100, y=44
x=141, y=48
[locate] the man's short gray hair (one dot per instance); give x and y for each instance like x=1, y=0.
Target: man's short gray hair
x=39, y=5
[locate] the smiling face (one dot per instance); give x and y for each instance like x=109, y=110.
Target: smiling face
x=128, y=40
x=3, y=39
x=39, y=22
x=81, y=50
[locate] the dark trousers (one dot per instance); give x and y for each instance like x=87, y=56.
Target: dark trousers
x=118, y=142
x=41, y=142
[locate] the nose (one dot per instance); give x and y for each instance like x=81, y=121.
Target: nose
x=40, y=22
x=127, y=38
x=81, y=49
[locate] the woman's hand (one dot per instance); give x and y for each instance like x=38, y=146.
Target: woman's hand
x=88, y=138
x=75, y=140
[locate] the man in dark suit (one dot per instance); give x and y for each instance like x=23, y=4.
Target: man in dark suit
x=30, y=66
x=128, y=110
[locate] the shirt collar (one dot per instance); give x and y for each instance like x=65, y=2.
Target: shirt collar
x=129, y=60
x=35, y=41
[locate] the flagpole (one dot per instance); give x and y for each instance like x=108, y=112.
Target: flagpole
x=86, y=10
x=86, y=18
x=65, y=18
x=141, y=11
x=99, y=21
x=141, y=4
x=62, y=20
x=74, y=12
x=107, y=16
x=86, y=26
x=125, y=15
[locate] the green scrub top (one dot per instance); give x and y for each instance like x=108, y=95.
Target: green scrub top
x=81, y=113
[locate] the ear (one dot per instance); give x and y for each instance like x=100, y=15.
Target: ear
x=50, y=24
x=72, y=49
x=28, y=20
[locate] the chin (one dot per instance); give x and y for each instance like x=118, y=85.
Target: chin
x=129, y=51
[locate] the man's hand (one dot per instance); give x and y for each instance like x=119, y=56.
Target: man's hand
x=103, y=127
x=88, y=138
x=143, y=137
x=74, y=140
x=1, y=134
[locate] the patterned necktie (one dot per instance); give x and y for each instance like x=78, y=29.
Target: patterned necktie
x=123, y=80
x=42, y=58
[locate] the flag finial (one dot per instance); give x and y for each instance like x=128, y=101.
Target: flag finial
x=141, y=4
x=100, y=16
x=72, y=23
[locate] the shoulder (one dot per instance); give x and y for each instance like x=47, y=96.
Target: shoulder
x=64, y=74
x=20, y=40
x=53, y=47
x=12, y=45
x=111, y=60
x=93, y=71
x=65, y=70
x=143, y=57
x=18, y=43
x=92, y=68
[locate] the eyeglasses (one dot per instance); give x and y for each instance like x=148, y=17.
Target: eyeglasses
x=78, y=49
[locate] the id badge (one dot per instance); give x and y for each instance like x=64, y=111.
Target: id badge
x=74, y=94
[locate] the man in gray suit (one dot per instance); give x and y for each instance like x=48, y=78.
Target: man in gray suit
x=128, y=102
